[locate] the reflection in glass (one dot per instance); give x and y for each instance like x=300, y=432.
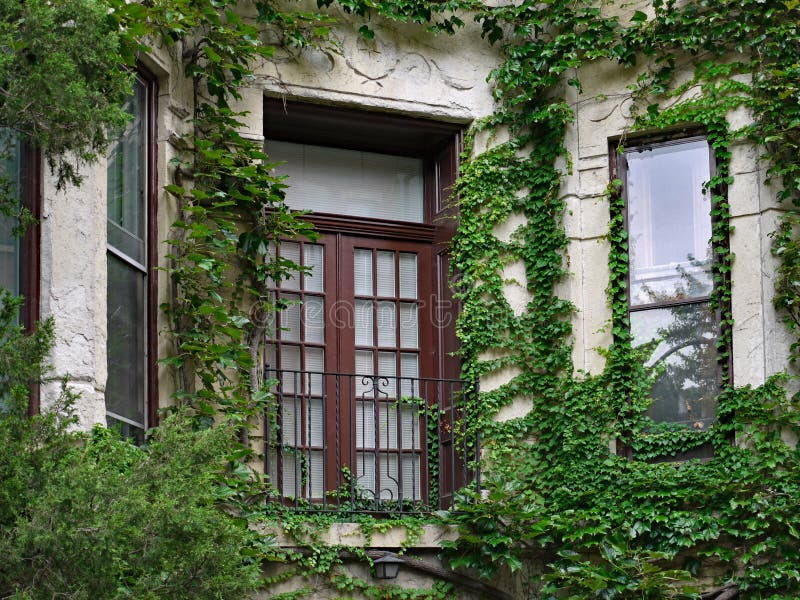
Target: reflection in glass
x=9, y=187
x=669, y=222
x=684, y=339
x=126, y=180
x=125, y=389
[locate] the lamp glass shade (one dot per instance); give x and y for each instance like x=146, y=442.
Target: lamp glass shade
x=387, y=566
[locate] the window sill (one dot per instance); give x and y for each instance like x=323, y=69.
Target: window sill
x=352, y=535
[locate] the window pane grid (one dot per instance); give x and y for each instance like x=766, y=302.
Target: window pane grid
x=297, y=358
x=385, y=322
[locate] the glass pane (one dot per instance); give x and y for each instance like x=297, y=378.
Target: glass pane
x=409, y=328
x=292, y=476
x=387, y=324
x=290, y=363
x=685, y=346
x=365, y=473
x=315, y=365
x=314, y=258
x=9, y=184
x=126, y=384
x=387, y=430
x=362, y=271
x=349, y=182
x=364, y=323
x=290, y=318
x=315, y=435
x=409, y=427
x=314, y=319
x=365, y=424
x=412, y=488
x=126, y=179
x=9, y=256
x=290, y=424
x=315, y=461
x=386, y=274
x=269, y=317
x=409, y=367
x=408, y=275
x=269, y=359
x=669, y=222
x=387, y=370
x=291, y=251
x=364, y=368
x=390, y=480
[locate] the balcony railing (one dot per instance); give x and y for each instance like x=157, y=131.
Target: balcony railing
x=368, y=443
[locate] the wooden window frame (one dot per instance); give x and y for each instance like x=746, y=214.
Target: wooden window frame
x=30, y=249
x=618, y=171
x=151, y=248
x=439, y=145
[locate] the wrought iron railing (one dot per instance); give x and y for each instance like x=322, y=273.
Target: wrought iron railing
x=368, y=443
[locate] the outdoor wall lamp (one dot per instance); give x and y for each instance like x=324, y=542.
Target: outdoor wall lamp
x=387, y=566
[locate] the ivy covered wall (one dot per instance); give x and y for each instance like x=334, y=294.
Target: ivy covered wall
x=541, y=254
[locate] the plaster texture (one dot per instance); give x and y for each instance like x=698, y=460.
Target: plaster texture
x=404, y=70
x=73, y=289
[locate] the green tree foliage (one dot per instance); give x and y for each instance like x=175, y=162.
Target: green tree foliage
x=92, y=516
x=62, y=77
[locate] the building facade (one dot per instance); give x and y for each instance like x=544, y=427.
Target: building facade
x=371, y=140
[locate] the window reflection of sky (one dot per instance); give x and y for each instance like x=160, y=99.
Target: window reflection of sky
x=669, y=222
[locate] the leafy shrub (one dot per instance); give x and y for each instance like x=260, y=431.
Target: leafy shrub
x=93, y=516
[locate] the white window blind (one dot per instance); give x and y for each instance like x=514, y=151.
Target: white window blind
x=350, y=182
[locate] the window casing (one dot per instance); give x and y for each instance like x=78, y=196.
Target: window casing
x=372, y=324
x=130, y=388
x=670, y=274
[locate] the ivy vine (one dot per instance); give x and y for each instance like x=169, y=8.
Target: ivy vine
x=615, y=527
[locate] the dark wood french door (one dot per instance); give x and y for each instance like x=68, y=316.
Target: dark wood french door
x=354, y=343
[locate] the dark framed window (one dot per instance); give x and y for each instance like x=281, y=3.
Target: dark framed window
x=20, y=247
x=670, y=273
x=363, y=344
x=130, y=175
